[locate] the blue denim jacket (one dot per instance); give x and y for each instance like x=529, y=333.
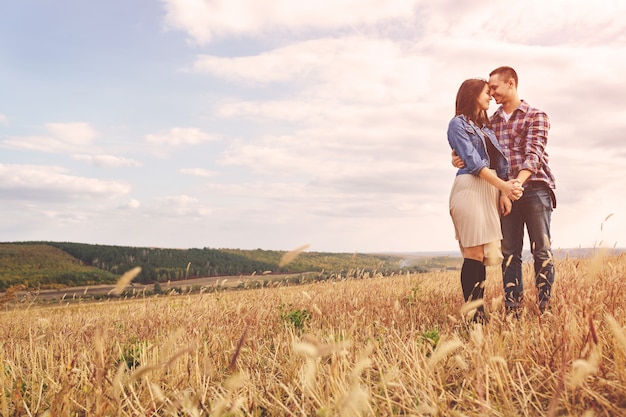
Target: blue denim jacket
x=467, y=141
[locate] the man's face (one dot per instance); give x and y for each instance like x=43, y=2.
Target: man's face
x=499, y=89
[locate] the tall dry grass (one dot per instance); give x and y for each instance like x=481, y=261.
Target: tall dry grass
x=378, y=347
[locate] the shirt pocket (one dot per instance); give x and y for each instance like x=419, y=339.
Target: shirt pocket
x=519, y=138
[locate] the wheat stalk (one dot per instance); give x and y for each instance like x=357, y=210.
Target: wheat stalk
x=125, y=279
x=291, y=255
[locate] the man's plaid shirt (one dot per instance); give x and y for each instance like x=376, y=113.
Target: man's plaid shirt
x=523, y=139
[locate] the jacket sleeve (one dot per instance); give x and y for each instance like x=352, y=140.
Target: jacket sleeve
x=461, y=141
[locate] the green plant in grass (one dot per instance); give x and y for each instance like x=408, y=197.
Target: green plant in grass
x=296, y=317
x=431, y=336
x=131, y=353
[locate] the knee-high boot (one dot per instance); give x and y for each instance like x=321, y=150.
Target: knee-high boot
x=473, y=275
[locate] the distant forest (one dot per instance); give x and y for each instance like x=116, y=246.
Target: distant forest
x=65, y=264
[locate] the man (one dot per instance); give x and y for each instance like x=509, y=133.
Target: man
x=522, y=132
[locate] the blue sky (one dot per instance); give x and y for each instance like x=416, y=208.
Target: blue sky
x=246, y=124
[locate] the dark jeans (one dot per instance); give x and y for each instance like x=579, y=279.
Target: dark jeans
x=534, y=210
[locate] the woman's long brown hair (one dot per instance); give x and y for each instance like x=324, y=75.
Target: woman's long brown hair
x=467, y=101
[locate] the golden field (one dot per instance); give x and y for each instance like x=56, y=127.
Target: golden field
x=377, y=346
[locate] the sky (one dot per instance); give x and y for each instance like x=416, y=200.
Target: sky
x=275, y=124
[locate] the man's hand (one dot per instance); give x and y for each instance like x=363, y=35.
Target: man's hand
x=505, y=205
x=457, y=162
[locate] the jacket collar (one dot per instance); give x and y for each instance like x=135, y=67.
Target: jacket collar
x=474, y=126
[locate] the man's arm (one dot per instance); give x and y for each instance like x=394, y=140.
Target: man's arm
x=536, y=141
x=523, y=175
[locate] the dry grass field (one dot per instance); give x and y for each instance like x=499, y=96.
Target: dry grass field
x=381, y=346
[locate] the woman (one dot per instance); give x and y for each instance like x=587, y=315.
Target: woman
x=474, y=196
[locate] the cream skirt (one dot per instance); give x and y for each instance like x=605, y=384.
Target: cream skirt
x=474, y=211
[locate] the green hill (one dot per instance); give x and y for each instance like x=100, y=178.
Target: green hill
x=65, y=264
x=44, y=266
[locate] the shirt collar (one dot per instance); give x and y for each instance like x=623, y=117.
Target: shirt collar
x=523, y=107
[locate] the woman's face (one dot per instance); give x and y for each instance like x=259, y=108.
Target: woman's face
x=484, y=98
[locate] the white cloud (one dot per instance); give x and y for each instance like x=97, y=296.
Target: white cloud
x=163, y=144
x=365, y=104
x=107, y=161
x=180, y=206
x=62, y=137
x=356, y=69
x=4, y=120
x=180, y=136
x=558, y=22
x=131, y=204
x=80, y=134
x=198, y=172
x=575, y=23
x=203, y=20
x=52, y=183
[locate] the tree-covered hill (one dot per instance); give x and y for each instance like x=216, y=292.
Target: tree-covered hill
x=50, y=264
x=45, y=266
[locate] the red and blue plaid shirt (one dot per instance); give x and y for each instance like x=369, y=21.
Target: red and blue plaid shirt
x=523, y=138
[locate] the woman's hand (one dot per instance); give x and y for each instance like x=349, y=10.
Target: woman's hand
x=513, y=189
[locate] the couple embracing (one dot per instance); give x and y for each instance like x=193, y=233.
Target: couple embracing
x=503, y=184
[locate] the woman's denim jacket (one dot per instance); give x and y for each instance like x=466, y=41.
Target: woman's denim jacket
x=467, y=141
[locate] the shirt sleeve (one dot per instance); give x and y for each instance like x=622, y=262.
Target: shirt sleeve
x=536, y=141
x=460, y=140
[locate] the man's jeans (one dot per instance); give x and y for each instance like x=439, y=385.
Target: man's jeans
x=534, y=210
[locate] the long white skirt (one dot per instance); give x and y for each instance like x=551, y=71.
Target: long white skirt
x=474, y=211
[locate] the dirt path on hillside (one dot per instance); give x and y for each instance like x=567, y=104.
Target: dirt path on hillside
x=100, y=290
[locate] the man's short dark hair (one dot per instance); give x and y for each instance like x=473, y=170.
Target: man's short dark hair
x=506, y=72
